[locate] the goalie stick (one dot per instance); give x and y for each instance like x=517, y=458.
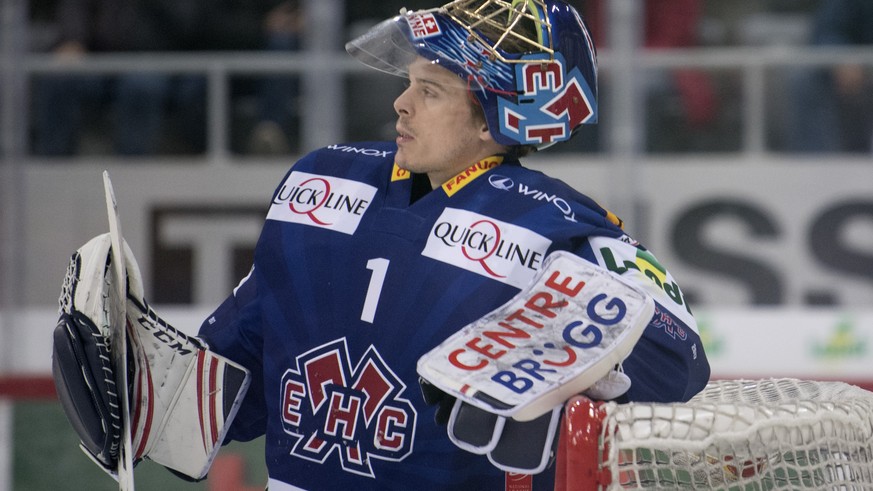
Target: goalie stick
x=118, y=335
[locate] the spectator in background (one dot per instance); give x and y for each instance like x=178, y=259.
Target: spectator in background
x=831, y=108
x=681, y=104
x=277, y=108
x=258, y=25
x=138, y=101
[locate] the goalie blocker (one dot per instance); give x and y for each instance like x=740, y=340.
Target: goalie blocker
x=507, y=375
x=182, y=396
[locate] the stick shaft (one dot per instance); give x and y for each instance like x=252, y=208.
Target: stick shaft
x=119, y=336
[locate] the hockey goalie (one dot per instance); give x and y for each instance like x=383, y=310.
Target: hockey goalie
x=498, y=384
x=418, y=310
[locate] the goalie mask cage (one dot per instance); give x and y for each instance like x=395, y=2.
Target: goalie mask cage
x=734, y=435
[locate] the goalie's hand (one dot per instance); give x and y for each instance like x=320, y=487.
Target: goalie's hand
x=512, y=446
x=556, y=338
x=85, y=381
x=512, y=370
x=82, y=366
x=182, y=396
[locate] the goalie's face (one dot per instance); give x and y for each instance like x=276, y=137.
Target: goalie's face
x=440, y=129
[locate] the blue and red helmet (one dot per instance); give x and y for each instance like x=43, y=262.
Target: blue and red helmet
x=536, y=92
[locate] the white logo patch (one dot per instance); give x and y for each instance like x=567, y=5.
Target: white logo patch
x=322, y=201
x=494, y=249
x=423, y=25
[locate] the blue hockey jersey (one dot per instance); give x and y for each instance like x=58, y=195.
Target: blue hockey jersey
x=354, y=279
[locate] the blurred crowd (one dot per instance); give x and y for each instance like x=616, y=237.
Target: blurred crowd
x=810, y=108
x=142, y=113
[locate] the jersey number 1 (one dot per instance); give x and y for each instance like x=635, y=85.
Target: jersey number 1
x=379, y=268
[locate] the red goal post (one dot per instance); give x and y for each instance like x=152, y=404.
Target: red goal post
x=735, y=434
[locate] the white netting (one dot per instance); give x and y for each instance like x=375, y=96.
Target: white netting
x=744, y=435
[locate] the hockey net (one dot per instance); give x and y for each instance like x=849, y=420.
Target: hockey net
x=734, y=435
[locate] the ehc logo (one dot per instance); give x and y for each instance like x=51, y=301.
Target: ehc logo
x=358, y=412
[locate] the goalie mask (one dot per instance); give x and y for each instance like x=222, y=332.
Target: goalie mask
x=530, y=64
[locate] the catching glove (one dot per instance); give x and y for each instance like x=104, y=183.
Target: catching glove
x=182, y=396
